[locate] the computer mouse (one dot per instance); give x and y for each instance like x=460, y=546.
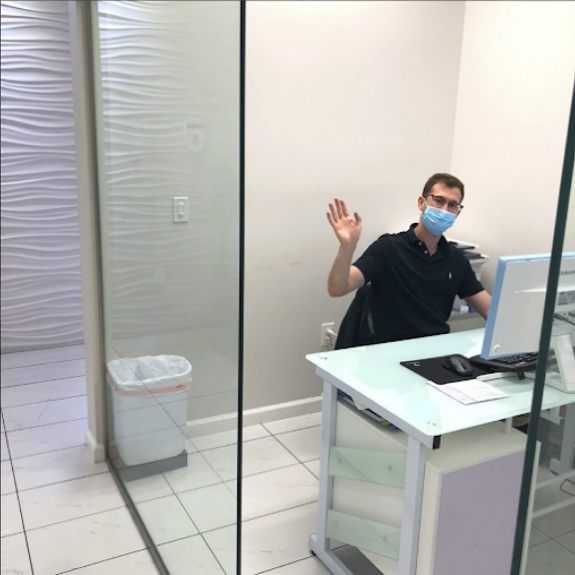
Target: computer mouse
x=458, y=364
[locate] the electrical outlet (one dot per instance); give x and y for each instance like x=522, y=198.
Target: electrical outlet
x=328, y=336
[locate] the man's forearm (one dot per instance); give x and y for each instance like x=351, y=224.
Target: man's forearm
x=480, y=302
x=338, y=280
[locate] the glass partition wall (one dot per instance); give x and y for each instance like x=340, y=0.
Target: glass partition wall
x=167, y=83
x=546, y=515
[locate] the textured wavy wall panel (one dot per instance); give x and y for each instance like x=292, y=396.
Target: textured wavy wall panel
x=169, y=119
x=40, y=285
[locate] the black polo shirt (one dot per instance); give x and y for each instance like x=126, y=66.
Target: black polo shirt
x=413, y=292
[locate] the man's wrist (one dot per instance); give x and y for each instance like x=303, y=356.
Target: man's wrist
x=347, y=249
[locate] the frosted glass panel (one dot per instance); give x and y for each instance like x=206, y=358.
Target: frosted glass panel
x=167, y=89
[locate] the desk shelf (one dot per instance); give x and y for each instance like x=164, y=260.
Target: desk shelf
x=364, y=534
x=368, y=465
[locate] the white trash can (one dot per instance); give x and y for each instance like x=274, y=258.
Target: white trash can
x=149, y=400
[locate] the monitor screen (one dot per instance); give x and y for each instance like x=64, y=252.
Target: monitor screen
x=516, y=312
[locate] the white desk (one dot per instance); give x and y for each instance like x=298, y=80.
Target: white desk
x=374, y=378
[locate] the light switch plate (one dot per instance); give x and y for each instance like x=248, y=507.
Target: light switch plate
x=181, y=206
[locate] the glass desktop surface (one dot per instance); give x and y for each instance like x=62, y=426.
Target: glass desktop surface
x=373, y=376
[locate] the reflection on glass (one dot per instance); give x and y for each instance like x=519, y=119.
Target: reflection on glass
x=553, y=516
x=167, y=87
x=561, y=363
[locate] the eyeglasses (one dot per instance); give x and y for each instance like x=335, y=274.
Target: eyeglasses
x=441, y=202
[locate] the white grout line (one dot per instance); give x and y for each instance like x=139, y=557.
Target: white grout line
x=51, y=484
x=105, y=561
x=49, y=362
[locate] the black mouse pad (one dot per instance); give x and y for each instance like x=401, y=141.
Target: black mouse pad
x=431, y=368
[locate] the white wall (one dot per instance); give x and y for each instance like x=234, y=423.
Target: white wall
x=516, y=80
x=41, y=283
x=365, y=100
x=348, y=99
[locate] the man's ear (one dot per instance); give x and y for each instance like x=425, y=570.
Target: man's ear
x=421, y=203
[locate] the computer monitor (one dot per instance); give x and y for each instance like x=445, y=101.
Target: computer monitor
x=516, y=312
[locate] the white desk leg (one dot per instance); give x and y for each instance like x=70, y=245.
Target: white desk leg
x=412, y=500
x=328, y=419
x=565, y=461
x=319, y=542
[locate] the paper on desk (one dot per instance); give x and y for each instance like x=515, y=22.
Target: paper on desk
x=470, y=390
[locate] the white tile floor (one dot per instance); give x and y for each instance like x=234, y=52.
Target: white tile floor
x=61, y=513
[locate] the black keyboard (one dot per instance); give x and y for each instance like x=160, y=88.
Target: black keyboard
x=518, y=359
x=520, y=362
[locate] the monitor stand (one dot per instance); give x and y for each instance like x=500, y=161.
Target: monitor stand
x=566, y=459
x=565, y=358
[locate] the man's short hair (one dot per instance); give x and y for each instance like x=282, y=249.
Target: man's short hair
x=447, y=180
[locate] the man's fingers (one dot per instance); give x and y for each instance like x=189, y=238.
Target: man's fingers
x=338, y=211
x=333, y=213
x=341, y=208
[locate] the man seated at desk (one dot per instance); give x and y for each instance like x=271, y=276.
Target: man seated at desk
x=414, y=275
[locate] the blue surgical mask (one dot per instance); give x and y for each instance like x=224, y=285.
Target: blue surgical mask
x=437, y=221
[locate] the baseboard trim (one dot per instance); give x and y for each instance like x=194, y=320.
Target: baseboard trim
x=97, y=450
x=254, y=416
x=282, y=410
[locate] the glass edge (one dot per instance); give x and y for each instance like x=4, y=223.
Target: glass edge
x=545, y=340
x=241, y=239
